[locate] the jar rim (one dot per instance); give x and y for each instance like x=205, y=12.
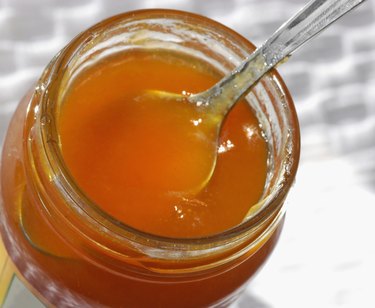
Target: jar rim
x=67, y=184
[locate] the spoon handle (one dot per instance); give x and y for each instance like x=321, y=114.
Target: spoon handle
x=313, y=18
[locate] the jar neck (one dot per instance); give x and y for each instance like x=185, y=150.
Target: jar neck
x=99, y=236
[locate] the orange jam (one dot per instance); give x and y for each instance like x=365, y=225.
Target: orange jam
x=111, y=197
x=142, y=159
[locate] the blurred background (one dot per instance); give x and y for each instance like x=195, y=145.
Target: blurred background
x=327, y=250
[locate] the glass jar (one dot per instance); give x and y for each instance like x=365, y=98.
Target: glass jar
x=97, y=261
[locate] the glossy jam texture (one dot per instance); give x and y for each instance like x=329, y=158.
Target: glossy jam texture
x=124, y=147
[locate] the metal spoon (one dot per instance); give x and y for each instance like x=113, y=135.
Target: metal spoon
x=216, y=102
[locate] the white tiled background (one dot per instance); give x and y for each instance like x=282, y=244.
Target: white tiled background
x=326, y=254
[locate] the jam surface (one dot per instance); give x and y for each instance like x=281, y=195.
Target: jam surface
x=142, y=159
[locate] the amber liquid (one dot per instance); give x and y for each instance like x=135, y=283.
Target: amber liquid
x=96, y=127
x=143, y=159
